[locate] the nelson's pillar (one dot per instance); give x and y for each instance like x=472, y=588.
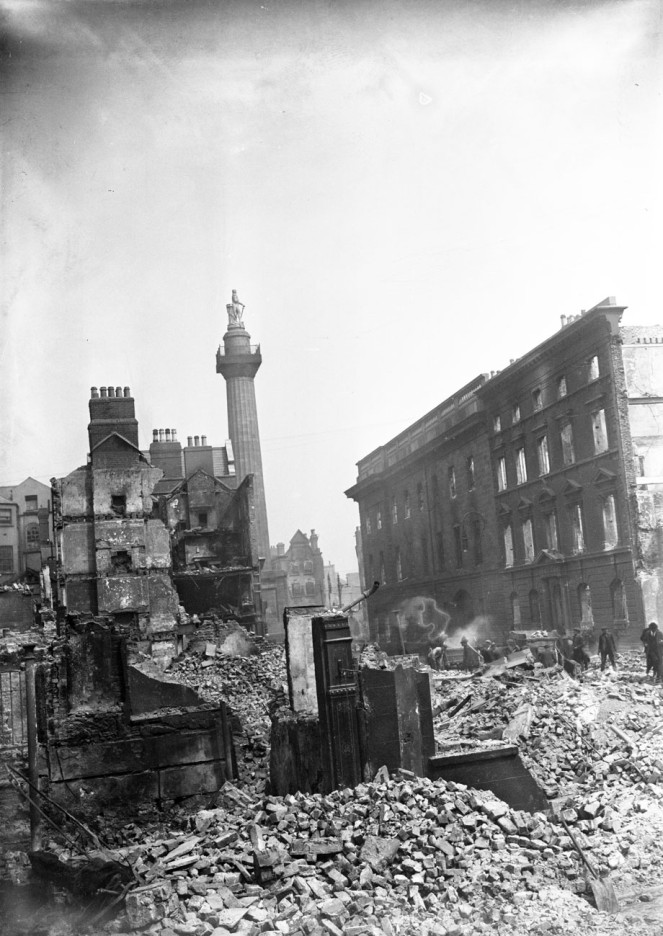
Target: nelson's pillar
x=238, y=360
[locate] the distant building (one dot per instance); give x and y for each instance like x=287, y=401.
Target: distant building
x=26, y=528
x=532, y=497
x=304, y=567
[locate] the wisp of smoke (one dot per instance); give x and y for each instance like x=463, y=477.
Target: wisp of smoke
x=423, y=614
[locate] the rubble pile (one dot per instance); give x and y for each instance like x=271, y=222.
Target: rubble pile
x=572, y=734
x=403, y=855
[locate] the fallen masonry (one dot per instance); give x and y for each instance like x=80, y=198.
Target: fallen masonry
x=403, y=853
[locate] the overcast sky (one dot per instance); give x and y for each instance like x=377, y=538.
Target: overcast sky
x=403, y=193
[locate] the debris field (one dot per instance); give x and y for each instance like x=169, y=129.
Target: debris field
x=404, y=854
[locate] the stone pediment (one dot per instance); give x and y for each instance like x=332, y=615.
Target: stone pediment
x=547, y=493
x=604, y=478
x=548, y=555
x=572, y=489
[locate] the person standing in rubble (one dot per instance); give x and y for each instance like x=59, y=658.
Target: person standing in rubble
x=607, y=648
x=653, y=641
x=580, y=655
x=471, y=658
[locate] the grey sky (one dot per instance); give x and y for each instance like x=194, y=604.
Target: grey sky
x=404, y=194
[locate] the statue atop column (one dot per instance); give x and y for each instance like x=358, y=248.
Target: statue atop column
x=235, y=310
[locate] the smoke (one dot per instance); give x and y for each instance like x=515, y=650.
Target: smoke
x=422, y=619
x=424, y=615
x=476, y=631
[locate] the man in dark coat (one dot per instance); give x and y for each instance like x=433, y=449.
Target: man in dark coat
x=653, y=641
x=607, y=648
x=579, y=653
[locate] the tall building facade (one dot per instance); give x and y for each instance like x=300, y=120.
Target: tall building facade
x=531, y=498
x=304, y=567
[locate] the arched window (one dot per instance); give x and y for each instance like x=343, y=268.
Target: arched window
x=585, y=599
x=619, y=606
x=534, y=607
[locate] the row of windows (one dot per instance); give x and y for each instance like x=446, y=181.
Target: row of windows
x=468, y=543
x=551, y=540
x=538, y=400
x=307, y=589
x=567, y=446
x=402, y=509
x=522, y=608
x=306, y=567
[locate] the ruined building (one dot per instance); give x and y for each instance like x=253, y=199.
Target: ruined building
x=213, y=545
x=303, y=565
x=531, y=498
x=114, y=551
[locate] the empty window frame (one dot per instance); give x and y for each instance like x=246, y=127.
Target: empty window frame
x=528, y=540
x=501, y=474
x=585, y=599
x=32, y=534
x=407, y=511
x=497, y=424
x=542, y=455
x=399, y=565
x=599, y=431
x=119, y=504
x=515, y=413
x=566, y=438
x=577, y=528
x=521, y=466
x=561, y=387
x=451, y=474
x=420, y=497
x=469, y=471
x=610, y=531
x=31, y=502
x=537, y=399
x=550, y=526
x=394, y=510
x=508, y=545
x=202, y=518
x=379, y=518
x=593, y=368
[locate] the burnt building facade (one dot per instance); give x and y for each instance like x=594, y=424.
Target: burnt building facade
x=531, y=498
x=114, y=553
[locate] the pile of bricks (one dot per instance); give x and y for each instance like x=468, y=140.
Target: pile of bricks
x=403, y=855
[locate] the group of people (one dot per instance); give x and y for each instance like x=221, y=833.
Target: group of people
x=570, y=652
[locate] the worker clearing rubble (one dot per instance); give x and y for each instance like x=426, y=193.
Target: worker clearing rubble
x=437, y=657
x=580, y=655
x=472, y=659
x=653, y=642
x=607, y=648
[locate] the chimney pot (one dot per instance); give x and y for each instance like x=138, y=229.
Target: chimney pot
x=127, y=391
x=118, y=391
x=111, y=391
x=160, y=435
x=196, y=441
x=94, y=393
x=173, y=435
x=155, y=435
x=104, y=391
x=189, y=441
x=562, y=319
x=203, y=440
x=167, y=435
